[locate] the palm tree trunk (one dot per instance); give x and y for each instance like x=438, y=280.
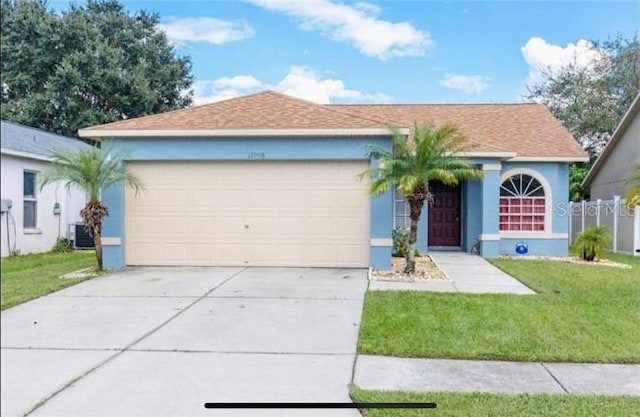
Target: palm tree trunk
x=416, y=202
x=97, y=240
x=92, y=215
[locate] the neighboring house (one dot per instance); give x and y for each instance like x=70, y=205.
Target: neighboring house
x=606, y=178
x=36, y=218
x=268, y=179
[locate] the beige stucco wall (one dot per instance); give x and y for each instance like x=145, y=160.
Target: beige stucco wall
x=609, y=181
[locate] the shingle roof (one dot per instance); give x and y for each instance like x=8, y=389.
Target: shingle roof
x=27, y=139
x=529, y=130
x=265, y=110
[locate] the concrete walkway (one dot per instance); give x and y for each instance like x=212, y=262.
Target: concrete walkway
x=163, y=341
x=404, y=374
x=467, y=274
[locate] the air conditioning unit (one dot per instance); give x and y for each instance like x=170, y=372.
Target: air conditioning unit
x=80, y=236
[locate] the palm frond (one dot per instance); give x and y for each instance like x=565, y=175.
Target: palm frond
x=91, y=170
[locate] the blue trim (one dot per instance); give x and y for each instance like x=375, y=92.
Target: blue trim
x=540, y=247
x=472, y=213
x=113, y=257
x=490, y=248
x=165, y=149
x=422, y=242
x=381, y=215
x=380, y=257
x=490, y=202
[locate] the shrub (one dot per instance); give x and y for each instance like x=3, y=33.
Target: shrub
x=400, y=242
x=62, y=245
x=592, y=243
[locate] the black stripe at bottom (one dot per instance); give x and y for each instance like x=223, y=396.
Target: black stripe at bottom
x=359, y=406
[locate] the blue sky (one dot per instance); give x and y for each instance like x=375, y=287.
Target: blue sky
x=384, y=51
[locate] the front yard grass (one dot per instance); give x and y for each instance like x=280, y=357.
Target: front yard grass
x=30, y=276
x=581, y=314
x=500, y=405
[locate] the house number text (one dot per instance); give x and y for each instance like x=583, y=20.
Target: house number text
x=256, y=155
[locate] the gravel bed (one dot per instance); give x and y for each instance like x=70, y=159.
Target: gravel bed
x=426, y=270
x=572, y=260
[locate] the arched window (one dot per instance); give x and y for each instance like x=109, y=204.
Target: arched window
x=522, y=204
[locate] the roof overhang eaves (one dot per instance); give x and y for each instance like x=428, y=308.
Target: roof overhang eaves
x=151, y=133
x=488, y=154
x=22, y=154
x=550, y=159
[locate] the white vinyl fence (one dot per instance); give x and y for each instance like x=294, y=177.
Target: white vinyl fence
x=623, y=224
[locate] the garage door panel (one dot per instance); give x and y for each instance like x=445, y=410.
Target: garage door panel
x=232, y=254
x=203, y=254
x=201, y=225
x=230, y=224
x=323, y=254
x=297, y=213
x=171, y=225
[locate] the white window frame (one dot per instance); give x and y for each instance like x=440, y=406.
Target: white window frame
x=33, y=199
x=399, y=198
x=548, y=205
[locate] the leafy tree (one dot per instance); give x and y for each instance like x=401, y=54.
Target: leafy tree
x=577, y=173
x=590, y=100
x=91, y=64
x=633, y=181
x=410, y=167
x=92, y=170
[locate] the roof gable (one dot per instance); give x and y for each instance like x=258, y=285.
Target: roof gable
x=633, y=111
x=264, y=110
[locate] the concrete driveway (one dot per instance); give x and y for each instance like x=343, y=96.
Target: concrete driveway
x=163, y=341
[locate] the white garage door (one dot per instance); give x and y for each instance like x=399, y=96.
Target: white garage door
x=248, y=213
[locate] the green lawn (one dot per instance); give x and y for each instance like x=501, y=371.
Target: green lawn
x=500, y=405
x=31, y=276
x=581, y=314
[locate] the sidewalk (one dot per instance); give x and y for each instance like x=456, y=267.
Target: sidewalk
x=407, y=374
x=467, y=273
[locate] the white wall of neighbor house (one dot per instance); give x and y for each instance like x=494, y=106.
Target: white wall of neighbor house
x=49, y=226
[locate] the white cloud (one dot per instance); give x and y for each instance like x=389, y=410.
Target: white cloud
x=357, y=24
x=541, y=56
x=301, y=81
x=209, y=91
x=207, y=29
x=470, y=84
x=306, y=83
x=239, y=81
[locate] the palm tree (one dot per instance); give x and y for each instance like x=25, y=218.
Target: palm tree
x=91, y=170
x=633, y=194
x=592, y=243
x=433, y=155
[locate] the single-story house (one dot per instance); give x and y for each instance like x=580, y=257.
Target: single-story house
x=267, y=179
x=32, y=220
x=607, y=176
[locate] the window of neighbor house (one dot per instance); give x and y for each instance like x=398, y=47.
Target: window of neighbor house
x=522, y=204
x=29, y=218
